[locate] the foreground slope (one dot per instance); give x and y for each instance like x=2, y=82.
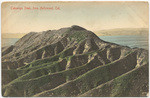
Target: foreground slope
x=72, y=62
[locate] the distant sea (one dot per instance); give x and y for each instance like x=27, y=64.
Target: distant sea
x=9, y=41
x=128, y=40
x=125, y=40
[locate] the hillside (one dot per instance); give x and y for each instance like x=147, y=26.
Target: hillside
x=73, y=62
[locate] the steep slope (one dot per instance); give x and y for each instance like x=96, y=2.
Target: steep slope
x=70, y=62
x=126, y=85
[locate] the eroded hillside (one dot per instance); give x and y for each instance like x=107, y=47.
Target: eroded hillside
x=72, y=62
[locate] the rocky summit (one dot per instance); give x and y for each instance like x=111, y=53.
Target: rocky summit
x=73, y=62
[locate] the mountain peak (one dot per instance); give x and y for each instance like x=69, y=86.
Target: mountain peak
x=76, y=27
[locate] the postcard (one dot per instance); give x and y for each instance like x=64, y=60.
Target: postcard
x=75, y=49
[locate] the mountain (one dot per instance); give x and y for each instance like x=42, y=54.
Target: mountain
x=123, y=31
x=73, y=62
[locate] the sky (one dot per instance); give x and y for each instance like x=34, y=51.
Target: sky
x=93, y=16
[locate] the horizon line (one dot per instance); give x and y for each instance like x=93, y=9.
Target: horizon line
x=80, y=26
